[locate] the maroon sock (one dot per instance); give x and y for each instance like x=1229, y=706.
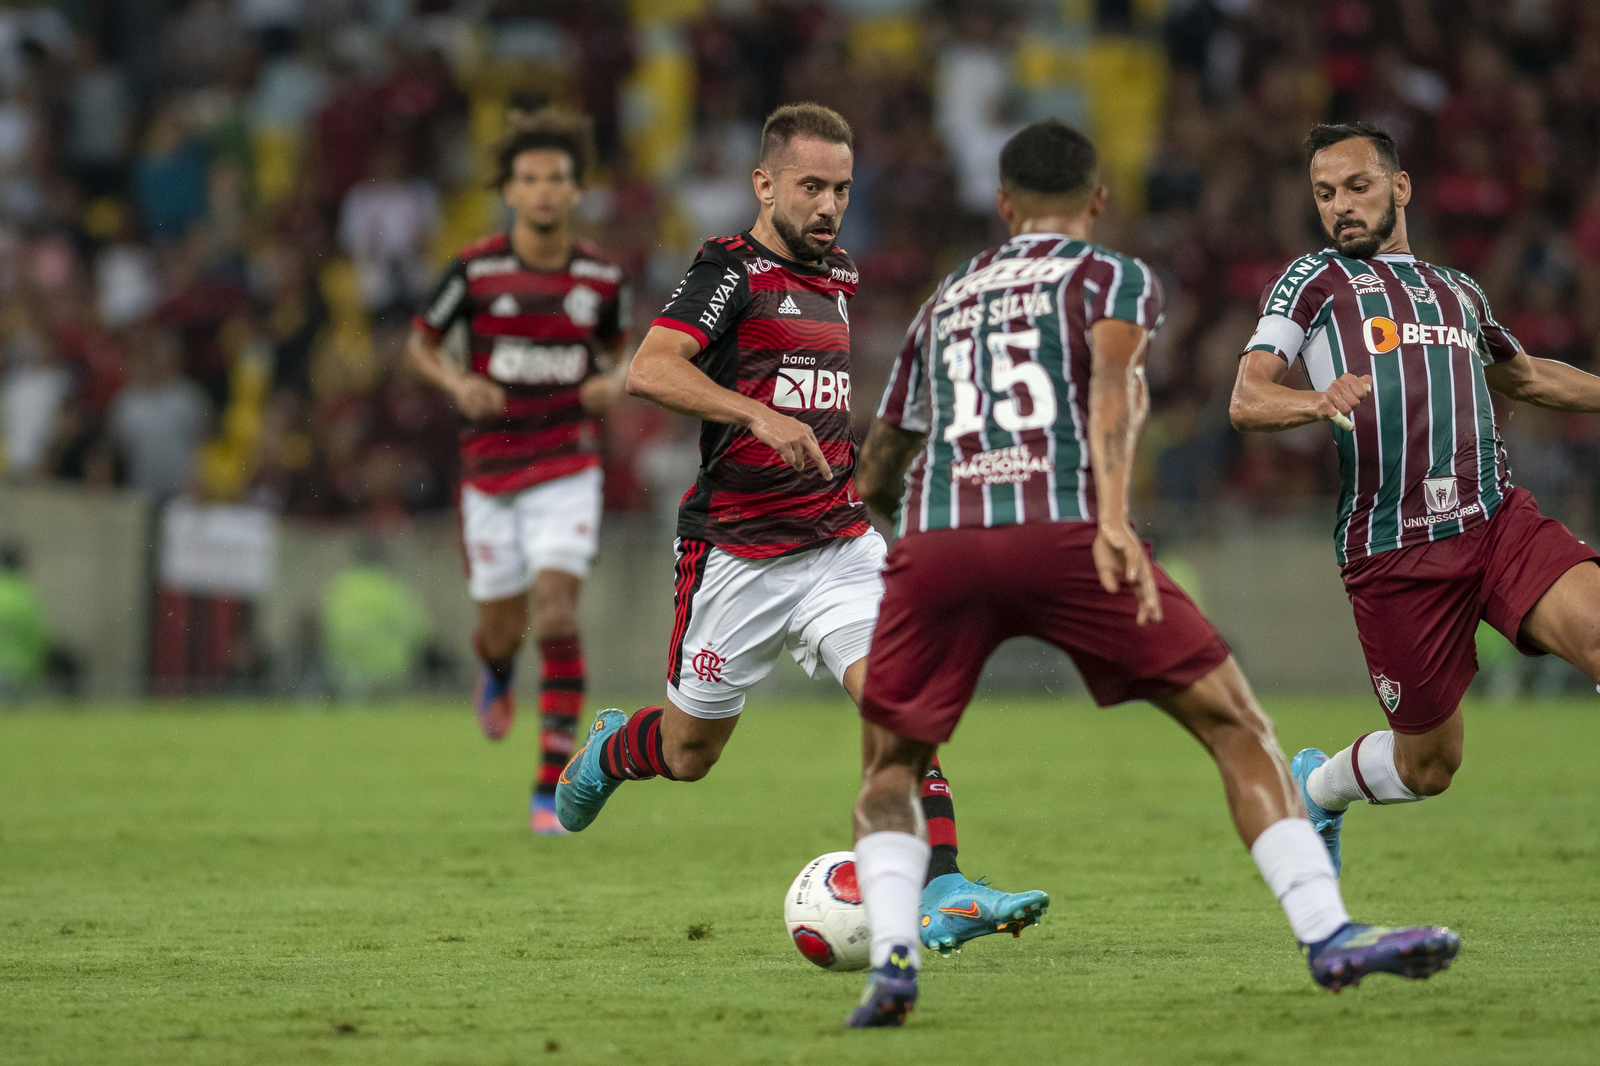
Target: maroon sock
x=633, y=753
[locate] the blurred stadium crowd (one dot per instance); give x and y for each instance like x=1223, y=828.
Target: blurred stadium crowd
x=217, y=215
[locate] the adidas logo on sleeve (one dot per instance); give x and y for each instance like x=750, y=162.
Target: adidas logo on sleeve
x=788, y=307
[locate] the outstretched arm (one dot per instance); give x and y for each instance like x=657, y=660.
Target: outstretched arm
x=1262, y=402
x=1544, y=383
x=1117, y=405
x=663, y=374
x=881, y=466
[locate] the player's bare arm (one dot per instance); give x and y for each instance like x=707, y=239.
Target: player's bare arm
x=475, y=395
x=882, y=464
x=604, y=391
x=663, y=374
x=1262, y=403
x=1116, y=413
x=1547, y=383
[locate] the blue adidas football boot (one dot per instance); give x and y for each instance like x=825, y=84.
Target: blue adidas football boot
x=1327, y=825
x=890, y=994
x=495, y=704
x=955, y=910
x=583, y=788
x=1414, y=951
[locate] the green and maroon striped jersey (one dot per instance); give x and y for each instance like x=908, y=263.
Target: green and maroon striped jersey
x=995, y=371
x=1425, y=461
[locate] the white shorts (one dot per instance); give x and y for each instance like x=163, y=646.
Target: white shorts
x=732, y=616
x=511, y=536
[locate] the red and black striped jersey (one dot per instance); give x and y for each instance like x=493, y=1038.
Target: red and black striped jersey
x=540, y=334
x=777, y=331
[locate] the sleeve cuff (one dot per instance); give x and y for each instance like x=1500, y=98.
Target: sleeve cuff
x=686, y=329
x=1274, y=349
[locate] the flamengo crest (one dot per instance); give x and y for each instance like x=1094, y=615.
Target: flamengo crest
x=708, y=664
x=1388, y=691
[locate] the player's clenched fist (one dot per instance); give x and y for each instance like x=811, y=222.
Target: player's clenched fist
x=1342, y=397
x=793, y=440
x=478, y=397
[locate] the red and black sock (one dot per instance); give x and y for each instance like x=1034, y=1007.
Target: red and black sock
x=633, y=752
x=560, y=704
x=939, y=811
x=503, y=668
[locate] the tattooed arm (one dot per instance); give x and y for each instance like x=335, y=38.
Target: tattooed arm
x=881, y=466
x=1118, y=403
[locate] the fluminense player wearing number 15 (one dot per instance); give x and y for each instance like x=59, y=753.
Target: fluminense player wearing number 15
x=1017, y=402
x=1431, y=535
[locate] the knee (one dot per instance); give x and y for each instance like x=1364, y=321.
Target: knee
x=1431, y=776
x=691, y=762
x=555, y=620
x=1238, y=720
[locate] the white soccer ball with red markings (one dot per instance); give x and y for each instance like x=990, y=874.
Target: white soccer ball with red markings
x=824, y=913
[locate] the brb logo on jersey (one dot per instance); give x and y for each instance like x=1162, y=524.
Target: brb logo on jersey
x=798, y=389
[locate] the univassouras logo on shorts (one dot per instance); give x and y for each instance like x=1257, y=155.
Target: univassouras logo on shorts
x=1001, y=466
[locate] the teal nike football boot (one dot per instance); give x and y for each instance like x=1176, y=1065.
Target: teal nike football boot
x=955, y=910
x=583, y=788
x=1327, y=825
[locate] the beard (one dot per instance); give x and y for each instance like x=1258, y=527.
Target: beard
x=801, y=247
x=1367, y=246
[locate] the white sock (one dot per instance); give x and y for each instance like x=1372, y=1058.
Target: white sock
x=1294, y=862
x=1334, y=785
x=890, y=868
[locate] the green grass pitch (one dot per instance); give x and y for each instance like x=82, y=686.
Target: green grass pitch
x=263, y=884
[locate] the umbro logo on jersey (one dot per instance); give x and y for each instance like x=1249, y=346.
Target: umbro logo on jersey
x=788, y=307
x=1368, y=285
x=504, y=306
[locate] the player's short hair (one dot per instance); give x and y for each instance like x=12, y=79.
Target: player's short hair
x=553, y=128
x=1327, y=134
x=1049, y=158
x=803, y=120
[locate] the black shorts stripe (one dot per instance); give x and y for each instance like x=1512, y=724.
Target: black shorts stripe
x=690, y=573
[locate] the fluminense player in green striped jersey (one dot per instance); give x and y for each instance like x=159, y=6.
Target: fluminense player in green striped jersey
x=1005, y=440
x=1431, y=535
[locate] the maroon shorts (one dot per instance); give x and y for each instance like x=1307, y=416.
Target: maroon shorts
x=952, y=596
x=1417, y=609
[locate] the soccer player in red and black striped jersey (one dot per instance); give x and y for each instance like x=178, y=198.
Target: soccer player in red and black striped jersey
x=1432, y=535
x=546, y=318
x=774, y=548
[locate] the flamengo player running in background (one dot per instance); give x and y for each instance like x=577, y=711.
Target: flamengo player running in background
x=774, y=549
x=547, y=316
x=1020, y=392
x=1432, y=536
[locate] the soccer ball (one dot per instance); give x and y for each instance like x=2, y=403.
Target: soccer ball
x=824, y=913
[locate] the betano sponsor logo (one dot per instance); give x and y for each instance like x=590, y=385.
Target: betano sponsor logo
x=1007, y=274
x=1384, y=335
x=1001, y=466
